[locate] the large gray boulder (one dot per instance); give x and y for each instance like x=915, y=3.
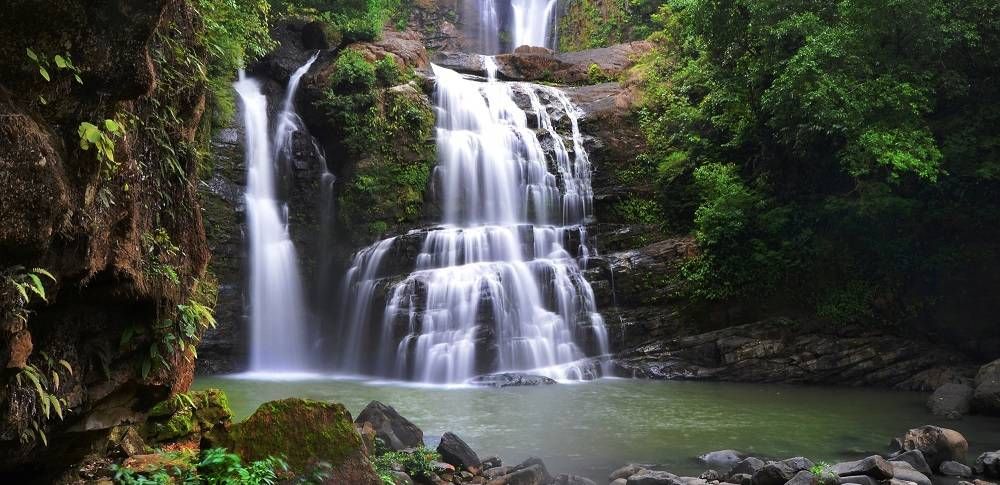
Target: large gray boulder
x=954, y=469
x=902, y=470
x=722, y=459
x=988, y=464
x=951, y=401
x=397, y=432
x=748, y=465
x=566, y=479
x=653, y=477
x=986, y=397
x=936, y=443
x=874, y=466
x=456, y=452
x=804, y=477
x=625, y=471
x=915, y=459
x=779, y=472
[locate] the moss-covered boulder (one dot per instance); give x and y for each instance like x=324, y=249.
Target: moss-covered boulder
x=306, y=433
x=187, y=414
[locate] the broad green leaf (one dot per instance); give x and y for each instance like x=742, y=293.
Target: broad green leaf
x=57, y=406
x=32, y=55
x=60, y=61
x=43, y=272
x=68, y=367
x=112, y=126
x=44, y=73
x=55, y=380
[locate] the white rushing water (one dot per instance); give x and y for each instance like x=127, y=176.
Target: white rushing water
x=521, y=22
x=496, y=287
x=277, y=319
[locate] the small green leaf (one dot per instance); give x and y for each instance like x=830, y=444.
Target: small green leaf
x=57, y=406
x=42, y=100
x=112, y=126
x=68, y=367
x=32, y=55
x=60, y=61
x=43, y=272
x=79, y=80
x=55, y=380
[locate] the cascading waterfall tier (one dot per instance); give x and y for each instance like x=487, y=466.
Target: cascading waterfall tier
x=278, y=340
x=496, y=287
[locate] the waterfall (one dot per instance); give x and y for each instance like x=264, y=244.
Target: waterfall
x=490, y=26
x=277, y=315
x=532, y=20
x=497, y=286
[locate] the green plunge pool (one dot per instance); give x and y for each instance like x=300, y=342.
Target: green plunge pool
x=594, y=427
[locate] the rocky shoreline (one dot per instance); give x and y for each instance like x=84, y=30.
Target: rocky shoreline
x=321, y=443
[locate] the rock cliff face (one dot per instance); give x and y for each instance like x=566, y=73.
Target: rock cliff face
x=118, y=228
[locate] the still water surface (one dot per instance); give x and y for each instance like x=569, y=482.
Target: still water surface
x=592, y=428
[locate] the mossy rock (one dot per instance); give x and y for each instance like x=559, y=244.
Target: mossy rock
x=305, y=433
x=186, y=414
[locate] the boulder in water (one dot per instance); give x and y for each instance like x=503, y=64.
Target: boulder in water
x=988, y=464
x=456, y=452
x=749, y=466
x=722, y=459
x=625, y=472
x=903, y=471
x=986, y=398
x=779, y=472
x=510, y=379
x=935, y=443
x=397, y=432
x=951, y=400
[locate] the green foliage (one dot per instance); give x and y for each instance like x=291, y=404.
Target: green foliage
x=20, y=287
x=637, y=210
x=160, y=254
x=418, y=462
x=589, y=24
x=356, y=20
x=45, y=382
x=817, y=148
x=385, y=123
x=214, y=466
x=824, y=473
x=236, y=32
x=103, y=141
x=62, y=62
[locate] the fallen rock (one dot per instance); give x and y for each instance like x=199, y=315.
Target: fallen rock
x=653, y=477
x=566, y=479
x=491, y=462
x=988, y=464
x=511, y=379
x=495, y=472
x=722, y=459
x=187, y=414
x=400, y=478
x=986, y=398
x=534, y=474
x=937, y=444
x=951, y=401
x=625, y=472
x=915, y=459
x=804, y=477
x=874, y=466
x=749, y=466
x=904, y=471
x=305, y=432
x=857, y=480
x=456, y=452
x=779, y=472
x=397, y=432
x=954, y=469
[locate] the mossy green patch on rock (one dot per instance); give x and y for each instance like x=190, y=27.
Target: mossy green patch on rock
x=186, y=414
x=304, y=432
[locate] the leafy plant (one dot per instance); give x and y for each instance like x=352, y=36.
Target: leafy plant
x=103, y=141
x=160, y=252
x=214, y=466
x=24, y=285
x=62, y=62
x=418, y=462
x=45, y=394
